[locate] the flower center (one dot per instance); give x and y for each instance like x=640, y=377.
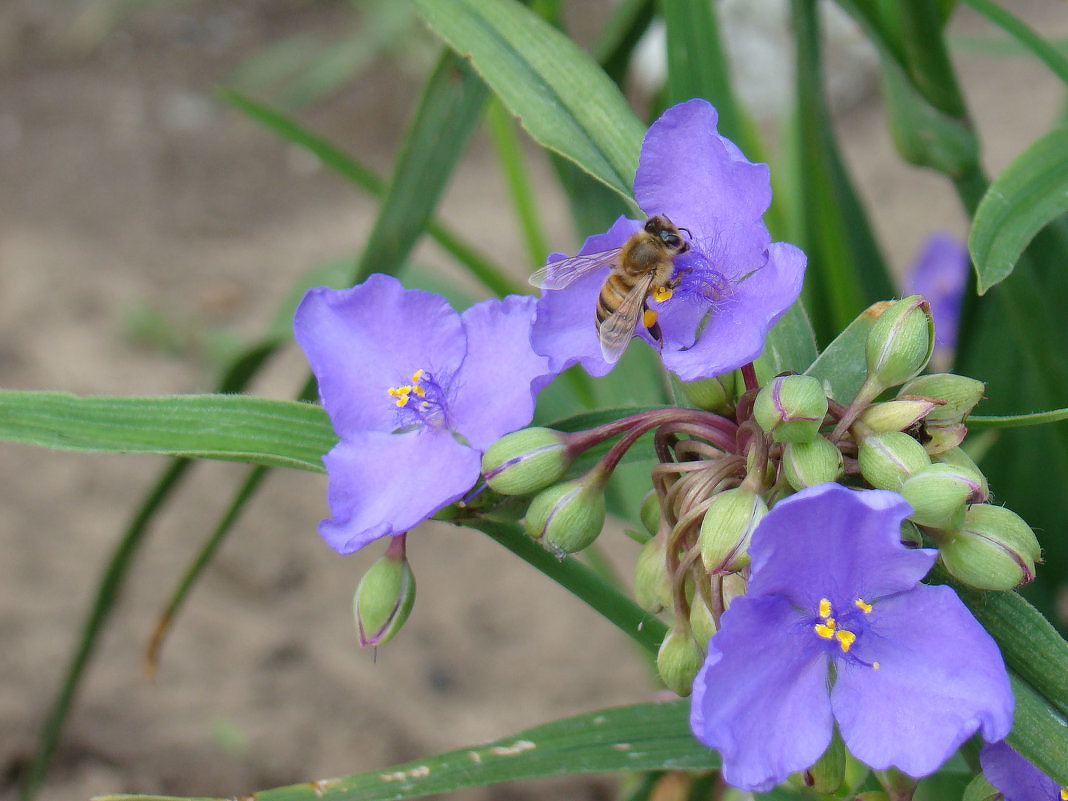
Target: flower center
x=420, y=403
x=843, y=629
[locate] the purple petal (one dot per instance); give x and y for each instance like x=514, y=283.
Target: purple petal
x=738, y=322
x=940, y=679
x=761, y=698
x=495, y=388
x=940, y=274
x=565, y=323
x=364, y=340
x=1015, y=777
x=829, y=541
x=382, y=484
x=702, y=182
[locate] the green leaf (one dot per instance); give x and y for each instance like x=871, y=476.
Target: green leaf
x=1017, y=420
x=563, y=99
x=842, y=366
x=630, y=738
x=1031, y=192
x=1029, y=39
x=236, y=428
x=1039, y=733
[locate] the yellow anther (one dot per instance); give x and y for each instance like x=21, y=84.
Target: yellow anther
x=662, y=293
x=403, y=400
x=398, y=392
x=845, y=639
x=875, y=666
x=825, y=631
x=863, y=607
x=417, y=376
x=825, y=607
x=418, y=390
x=1064, y=794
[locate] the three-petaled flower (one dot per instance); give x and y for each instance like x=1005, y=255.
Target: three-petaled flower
x=837, y=630
x=416, y=392
x=734, y=282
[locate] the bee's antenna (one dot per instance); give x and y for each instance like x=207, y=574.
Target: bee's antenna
x=687, y=230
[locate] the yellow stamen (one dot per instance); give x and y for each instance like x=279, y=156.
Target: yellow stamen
x=875, y=665
x=419, y=391
x=845, y=639
x=825, y=631
x=402, y=401
x=649, y=318
x=417, y=375
x=1064, y=794
x=398, y=392
x=863, y=607
x=825, y=607
x=662, y=293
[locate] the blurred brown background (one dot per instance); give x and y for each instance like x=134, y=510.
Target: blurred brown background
x=144, y=229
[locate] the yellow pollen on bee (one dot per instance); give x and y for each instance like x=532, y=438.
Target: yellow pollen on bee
x=649, y=318
x=825, y=607
x=845, y=639
x=662, y=293
x=863, y=607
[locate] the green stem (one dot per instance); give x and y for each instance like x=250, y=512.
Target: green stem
x=1015, y=27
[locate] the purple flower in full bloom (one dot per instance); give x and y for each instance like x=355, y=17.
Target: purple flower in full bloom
x=1015, y=777
x=735, y=282
x=416, y=392
x=940, y=274
x=837, y=629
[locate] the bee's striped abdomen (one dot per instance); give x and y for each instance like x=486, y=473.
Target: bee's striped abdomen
x=613, y=291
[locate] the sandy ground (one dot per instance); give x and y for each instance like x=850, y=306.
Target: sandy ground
x=123, y=187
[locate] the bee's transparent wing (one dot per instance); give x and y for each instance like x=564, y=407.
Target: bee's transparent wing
x=617, y=329
x=558, y=274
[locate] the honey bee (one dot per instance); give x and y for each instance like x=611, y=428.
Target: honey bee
x=642, y=267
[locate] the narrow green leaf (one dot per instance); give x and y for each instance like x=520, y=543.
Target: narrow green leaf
x=1017, y=420
x=842, y=366
x=1030, y=39
x=922, y=27
x=563, y=99
x=631, y=738
x=1031, y=192
x=1039, y=733
x=236, y=428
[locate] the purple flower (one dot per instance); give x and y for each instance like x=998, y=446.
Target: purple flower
x=1016, y=778
x=940, y=274
x=836, y=628
x=416, y=392
x=735, y=282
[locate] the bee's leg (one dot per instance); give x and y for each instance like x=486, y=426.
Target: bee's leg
x=676, y=279
x=650, y=322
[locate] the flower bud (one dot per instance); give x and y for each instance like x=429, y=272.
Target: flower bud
x=791, y=408
x=993, y=550
x=943, y=438
x=910, y=534
x=702, y=623
x=678, y=661
x=959, y=392
x=567, y=517
x=827, y=774
x=526, y=461
x=887, y=459
x=962, y=461
x=384, y=598
x=734, y=586
x=896, y=415
x=652, y=586
x=650, y=512
x=937, y=495
x=900, y=341
x=711, y=394
x=805, y=464
x=727, y=528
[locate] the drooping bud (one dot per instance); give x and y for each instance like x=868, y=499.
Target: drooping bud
x=678, y=661
x=727, y=528
x=900, y=341
x=711, y=394
x=943, y=438
x=937, y=495
x=994, y=549
x=385, y=596
x=805, y=464
x=734, y=586
x=896, y=415
x=567, y=517
x=652, y=586
x=961, y=460
x=887, y=459
x=959, y=393
x=526, y=461
x=702, y=623
x=650, y=512
x=791, y=408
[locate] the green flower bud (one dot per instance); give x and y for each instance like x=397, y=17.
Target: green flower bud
x=384, y=598
x=993, y=550
x=937, y=495
x=943, y=438
x=650, y=512
x=979, y=789
x=871, y=795
x=959, y=393
x=678, y=661
x=910, y=535
x=711, y=394
x=896, y=415
x=734, y=586
x=887, y=459
x=652, y=586
x=702, y=624
x=959, y=458
x=827, y=774
x=805, y=464
x=900, y=342
x=727, y=528
x=526, y=461
x=567, y=517
x=791, y=408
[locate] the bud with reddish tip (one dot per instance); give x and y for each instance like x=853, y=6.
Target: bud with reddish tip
x=900, y=341
x=384, y=596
